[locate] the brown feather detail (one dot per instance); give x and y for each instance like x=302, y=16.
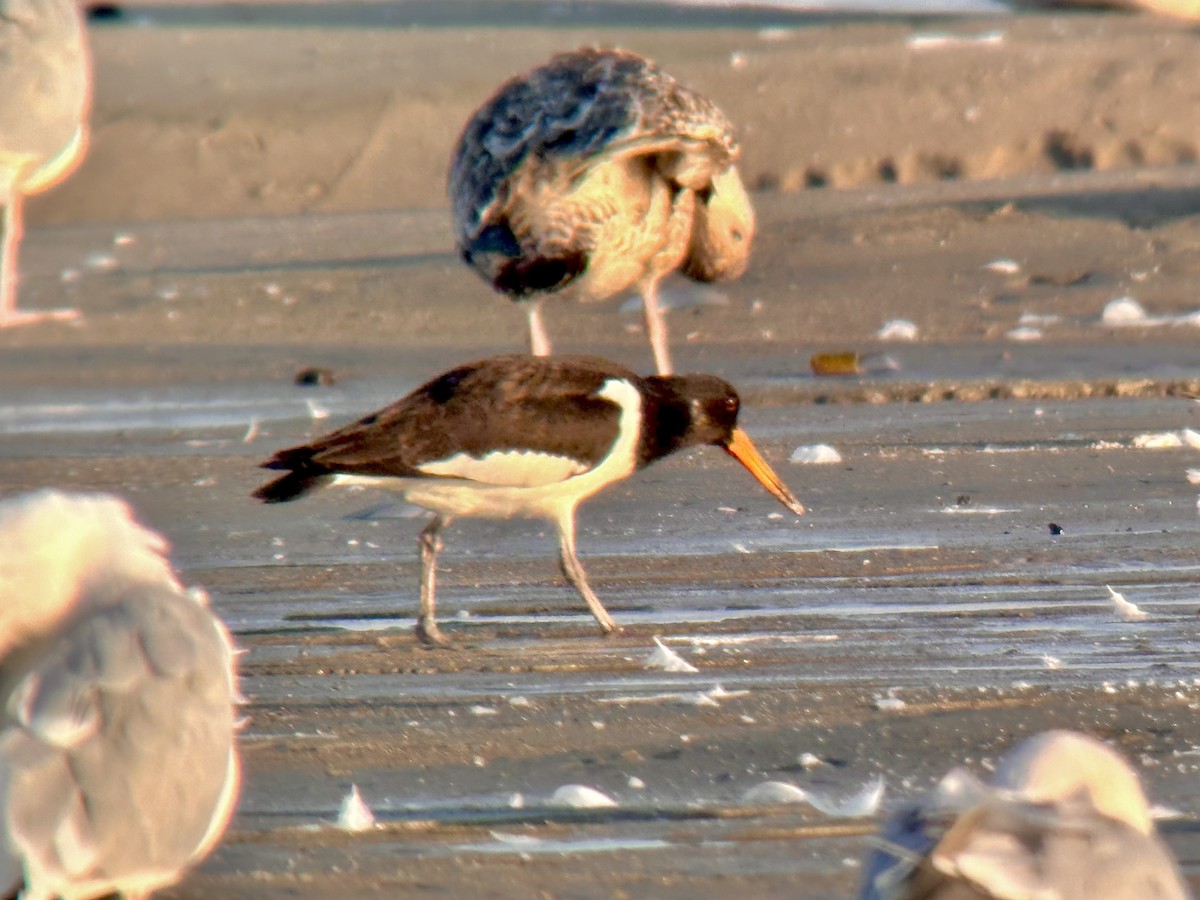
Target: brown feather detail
x=570, y=175
x=521, y=277
x=539, y=404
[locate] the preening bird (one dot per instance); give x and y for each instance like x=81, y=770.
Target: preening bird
x=117, y=705
x=523, y=436
x=1065, y=818
x=598, y=172
x=45, y=95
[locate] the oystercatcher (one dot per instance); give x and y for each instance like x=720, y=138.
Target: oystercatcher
x=117, y=761
x=524, y=436
x=45, y=74
x=599, y=172
x=1064, y=817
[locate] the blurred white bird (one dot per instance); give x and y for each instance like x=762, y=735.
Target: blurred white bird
x=45, y=95
x=118, y=692
x=1064, y=819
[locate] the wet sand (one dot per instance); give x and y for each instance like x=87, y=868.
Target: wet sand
x=922, y=613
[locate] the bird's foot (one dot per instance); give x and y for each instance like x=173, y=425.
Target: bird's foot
x=428, y=632
x=17, y=317
x=612, y=631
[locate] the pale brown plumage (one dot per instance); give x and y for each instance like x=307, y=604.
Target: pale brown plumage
x=45, y=94
x=598, y=172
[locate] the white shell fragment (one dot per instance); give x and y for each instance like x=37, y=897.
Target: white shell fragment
x=815, y=455
x=1024, y=333
x=580, y=796
x=1126, y=611
x=1159, y=440
x=1124, y=311
x=1004, y=266
x=100, y=261
x=937, y=40
x=663, y=657
x=898, y=330
x=864, y=802
x=772, y=793
x=355, y=815
x=1127, y=312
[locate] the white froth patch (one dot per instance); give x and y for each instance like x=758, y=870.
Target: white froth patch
x=957, y=510
x=1160, y=440
x=711, y=697
x=511, y=468
x=1125, y=610
x=666, y=659
x=1039, y=320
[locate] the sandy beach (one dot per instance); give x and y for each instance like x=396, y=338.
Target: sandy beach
x=264, y=192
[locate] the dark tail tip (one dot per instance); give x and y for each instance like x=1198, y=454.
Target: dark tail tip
x=288, y=487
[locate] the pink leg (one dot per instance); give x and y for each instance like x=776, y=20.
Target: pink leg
x=539, y=341
x=575, y=574
x=10, y=242
x=656, y=330
x=430, y=542
x=668, y=259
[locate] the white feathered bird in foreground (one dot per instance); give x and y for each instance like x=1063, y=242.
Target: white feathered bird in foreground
x=118, y=693
x=1064, y=819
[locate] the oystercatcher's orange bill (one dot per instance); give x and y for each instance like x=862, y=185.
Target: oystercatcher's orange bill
x=742, y=449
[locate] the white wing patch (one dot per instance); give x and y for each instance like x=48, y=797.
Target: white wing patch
x=510, y=468
x=529, y=484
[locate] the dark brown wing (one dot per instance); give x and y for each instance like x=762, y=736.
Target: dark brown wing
x=521, y=403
